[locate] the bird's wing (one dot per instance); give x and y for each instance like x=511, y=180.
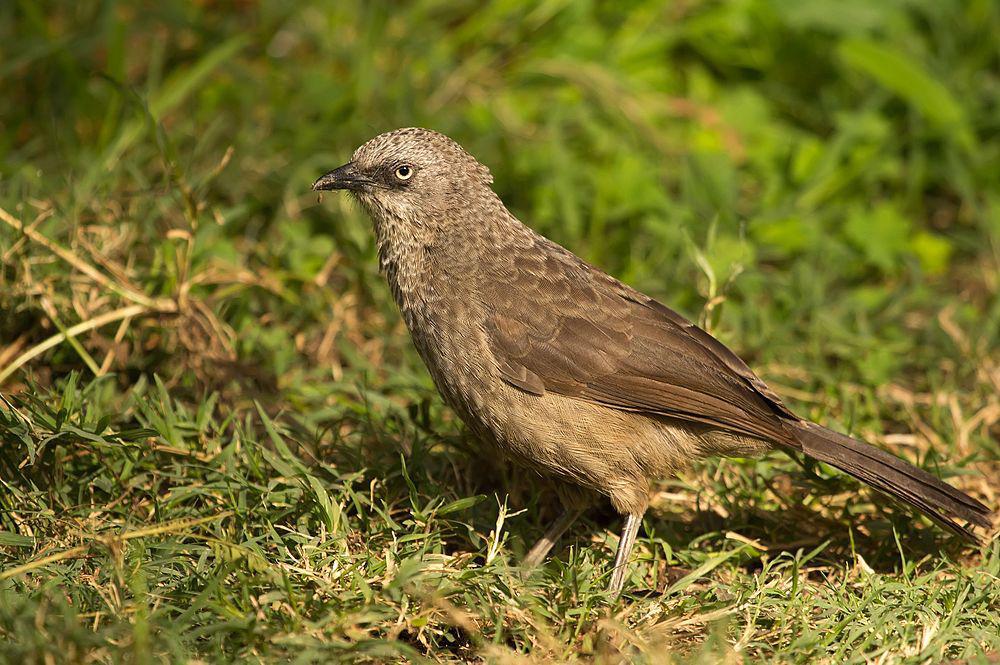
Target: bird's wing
x=558, y=325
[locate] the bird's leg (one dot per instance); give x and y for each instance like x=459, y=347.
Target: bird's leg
x=629, y=531
x=540, y=550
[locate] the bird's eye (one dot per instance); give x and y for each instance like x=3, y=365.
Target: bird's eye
x=404, y=172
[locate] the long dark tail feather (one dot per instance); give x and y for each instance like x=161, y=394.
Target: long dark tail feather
x=935, y=498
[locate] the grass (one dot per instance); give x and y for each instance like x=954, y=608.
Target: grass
x=216, y=442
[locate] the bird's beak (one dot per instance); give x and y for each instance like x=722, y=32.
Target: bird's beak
x=343, y=177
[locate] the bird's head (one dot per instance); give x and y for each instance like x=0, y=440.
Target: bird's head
x=413, y=176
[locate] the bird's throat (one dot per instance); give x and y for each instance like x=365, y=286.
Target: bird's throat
x=402, y=258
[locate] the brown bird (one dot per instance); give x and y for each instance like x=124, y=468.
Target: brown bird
x=568, y=371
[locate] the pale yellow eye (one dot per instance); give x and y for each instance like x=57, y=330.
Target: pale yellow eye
x=404, y=172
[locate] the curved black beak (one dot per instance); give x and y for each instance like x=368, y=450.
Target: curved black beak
x=343, y=177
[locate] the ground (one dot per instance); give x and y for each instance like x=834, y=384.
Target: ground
x=217, y=443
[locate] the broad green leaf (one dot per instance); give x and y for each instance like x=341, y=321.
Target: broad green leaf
x=15, y=540
x=881, y=234
x=933, y=252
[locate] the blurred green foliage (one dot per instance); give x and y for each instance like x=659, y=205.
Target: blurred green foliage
x=817, y=181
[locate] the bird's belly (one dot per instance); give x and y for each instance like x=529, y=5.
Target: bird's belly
x=612, y=452
x=607, y=450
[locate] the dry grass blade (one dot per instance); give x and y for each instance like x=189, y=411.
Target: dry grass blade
x=161, y=304
x=55, y=340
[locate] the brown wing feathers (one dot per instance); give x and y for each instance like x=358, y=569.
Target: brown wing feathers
x=611, y=349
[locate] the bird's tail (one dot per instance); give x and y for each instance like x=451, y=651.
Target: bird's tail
x=946, y=505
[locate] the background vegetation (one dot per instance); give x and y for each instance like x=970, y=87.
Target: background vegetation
x=217, y=443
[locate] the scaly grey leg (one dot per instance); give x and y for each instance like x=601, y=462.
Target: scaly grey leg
x=629, y=531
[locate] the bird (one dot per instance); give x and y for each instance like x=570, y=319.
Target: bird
x=566, y=370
